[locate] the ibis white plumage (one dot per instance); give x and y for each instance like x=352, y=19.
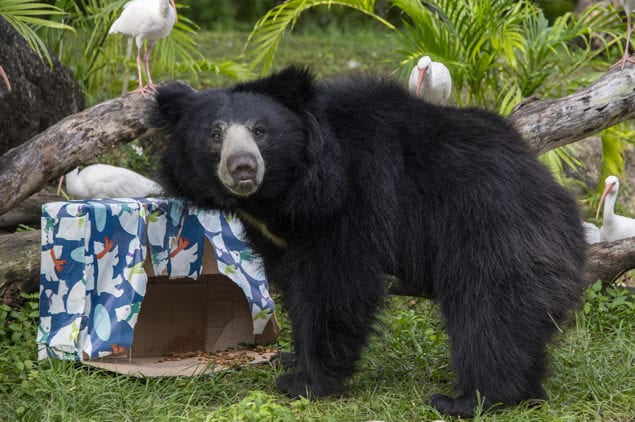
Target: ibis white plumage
x=614, y=227
x=148, y=20
x=591, y=233
x=106, y=181
x=629, y=7
x=431, y=81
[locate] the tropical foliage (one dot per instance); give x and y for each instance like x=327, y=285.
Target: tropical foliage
x=268, y=31
x=615, y=142
x=28, y=15
x=498, y=51
x=98, y=60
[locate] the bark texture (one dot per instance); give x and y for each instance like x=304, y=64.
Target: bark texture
x=553, y=123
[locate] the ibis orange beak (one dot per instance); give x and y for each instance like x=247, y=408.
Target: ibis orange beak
x=607, y=189
x=176, y=14
x=422, y=75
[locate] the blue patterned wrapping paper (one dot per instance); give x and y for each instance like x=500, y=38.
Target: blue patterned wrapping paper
x=93, y=282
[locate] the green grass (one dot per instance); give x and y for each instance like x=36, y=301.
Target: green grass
x=593, y=378
x=330, y=52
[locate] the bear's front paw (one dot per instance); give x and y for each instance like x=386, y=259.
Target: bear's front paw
x=295, y=384
x=463, y=406
x=452, y=407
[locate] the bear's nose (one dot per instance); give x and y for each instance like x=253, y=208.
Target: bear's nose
x=242, y=166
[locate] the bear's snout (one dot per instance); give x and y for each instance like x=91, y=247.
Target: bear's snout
x=243, y=167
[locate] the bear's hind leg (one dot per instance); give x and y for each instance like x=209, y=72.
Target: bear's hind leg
x=495, y=364
x=498, y=335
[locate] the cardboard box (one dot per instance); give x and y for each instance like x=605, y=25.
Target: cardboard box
x=167, y=326
x=182, y=316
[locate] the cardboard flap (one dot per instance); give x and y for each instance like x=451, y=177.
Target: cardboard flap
x=187, y=367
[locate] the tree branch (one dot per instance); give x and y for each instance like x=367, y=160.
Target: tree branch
x=27, y=168
x=80, y=137
x=609, y=260
x=553, y=123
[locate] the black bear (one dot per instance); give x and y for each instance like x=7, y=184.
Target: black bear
x=341, y=182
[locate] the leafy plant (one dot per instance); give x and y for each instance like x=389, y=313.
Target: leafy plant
x=499, y=51
x=614, y=144
x=96, y=58
x=608, y=305
x=263, y=41
x=17, y=341
x=260, y=407
x=27, y=16
x=103, y=64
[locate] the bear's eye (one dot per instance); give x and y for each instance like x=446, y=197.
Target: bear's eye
x=216, y=136
x=259, y=132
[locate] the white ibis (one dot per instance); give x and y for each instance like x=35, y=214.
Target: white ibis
x=629, y=6
x=145, y=20
x=591, y=233
x=430, y=81
x=614, y=227
x=106, y=181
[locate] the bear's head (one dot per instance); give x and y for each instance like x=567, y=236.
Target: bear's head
x=225, y=145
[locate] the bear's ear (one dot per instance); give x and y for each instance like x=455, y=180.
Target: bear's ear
x=172, y=102
x=293, y=87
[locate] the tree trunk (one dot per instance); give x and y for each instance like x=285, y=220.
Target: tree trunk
x=20, y=260
x=28, y=212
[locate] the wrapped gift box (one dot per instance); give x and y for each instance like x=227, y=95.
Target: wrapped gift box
x=125, y=282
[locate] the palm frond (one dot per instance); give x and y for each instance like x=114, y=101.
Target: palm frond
x=179, y=50
x=473, y=38
x=265, y=37
x=229, y=68
x=26, y=16
x=557, y=159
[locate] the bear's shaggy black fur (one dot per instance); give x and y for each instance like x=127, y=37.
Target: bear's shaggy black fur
x=362, y=179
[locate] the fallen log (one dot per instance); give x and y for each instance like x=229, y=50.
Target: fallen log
x=607, y=261
x=28, y=212
x=20, y=258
